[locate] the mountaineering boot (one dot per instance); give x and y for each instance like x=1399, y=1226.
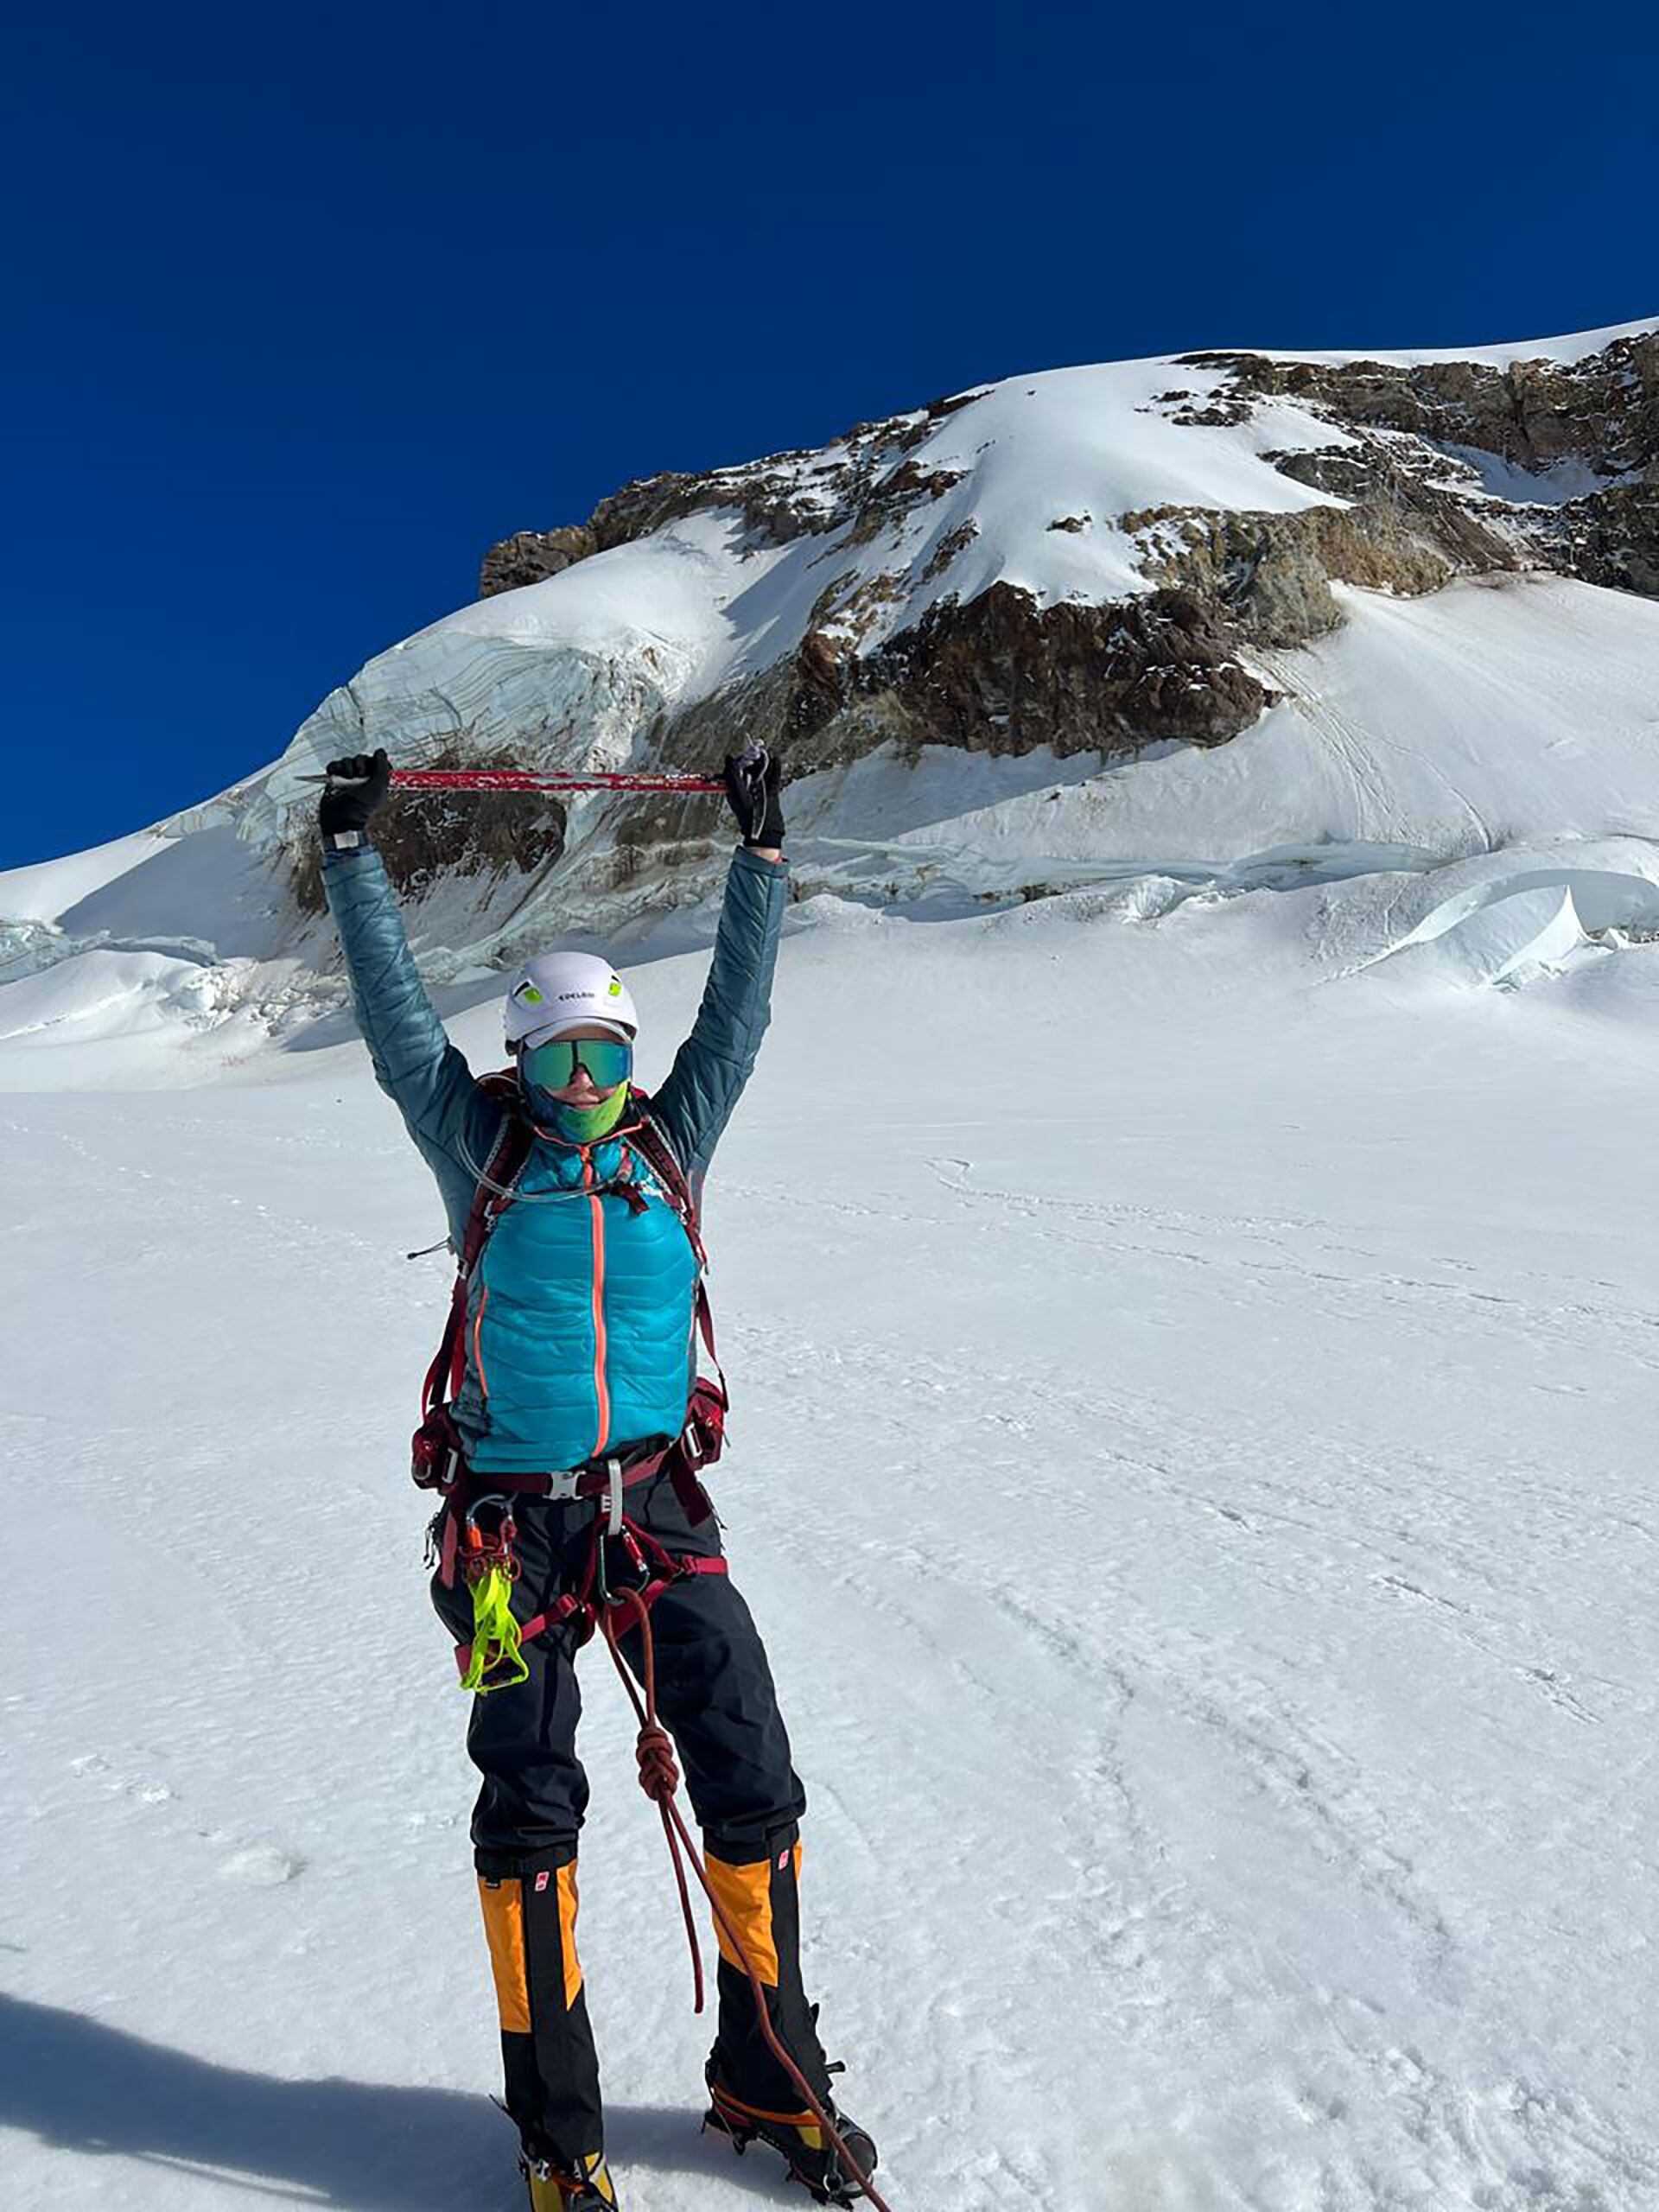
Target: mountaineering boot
x=810, y=2157
x=758, y=1886
x=750, y=2094
x=589, y=2191
x=547, y=2046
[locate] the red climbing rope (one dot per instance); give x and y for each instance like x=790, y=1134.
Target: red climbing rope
x=659, y=1779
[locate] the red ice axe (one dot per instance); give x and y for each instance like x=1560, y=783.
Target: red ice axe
x=526, y=780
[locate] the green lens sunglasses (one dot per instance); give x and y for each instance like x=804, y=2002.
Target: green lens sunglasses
x=608, y=1060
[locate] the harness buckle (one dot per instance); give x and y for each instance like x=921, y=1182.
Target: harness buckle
x=613, y=1497
x=436, y=1460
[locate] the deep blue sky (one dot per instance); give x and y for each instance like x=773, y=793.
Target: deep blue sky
x=306, y=306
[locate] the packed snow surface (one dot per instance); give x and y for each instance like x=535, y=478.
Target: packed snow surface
x=1193, y=1462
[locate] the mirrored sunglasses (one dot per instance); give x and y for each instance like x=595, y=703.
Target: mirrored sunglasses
x=608, y=1060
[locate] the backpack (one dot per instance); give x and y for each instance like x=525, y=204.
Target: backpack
x=437, y=1455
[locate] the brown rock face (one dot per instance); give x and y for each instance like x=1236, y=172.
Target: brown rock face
x=1613, y=536
x=996, y=674
x=1003, y=675
x=1603, y=411
x=820, y=686
x=529, y=556
x=1272, y=573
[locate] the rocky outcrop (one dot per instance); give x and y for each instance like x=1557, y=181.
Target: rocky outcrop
x=1613, y=536
x=1602, y=410
x=529, y=556
x=861, y=483
x=1421, y=431
x=1272, y=574
x=998, y=673
x=1003, y=674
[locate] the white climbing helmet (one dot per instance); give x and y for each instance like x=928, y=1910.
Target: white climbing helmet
x=567, y=990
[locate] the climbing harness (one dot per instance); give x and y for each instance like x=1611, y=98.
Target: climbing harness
x=623, y=1561
x=473, y=1533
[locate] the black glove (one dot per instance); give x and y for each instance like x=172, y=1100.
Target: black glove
x=344, y=809
x=752, y=780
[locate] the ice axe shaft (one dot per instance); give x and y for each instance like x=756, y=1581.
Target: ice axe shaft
x=523, y=779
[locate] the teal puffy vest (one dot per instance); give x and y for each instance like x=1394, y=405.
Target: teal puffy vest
x=580, y=1317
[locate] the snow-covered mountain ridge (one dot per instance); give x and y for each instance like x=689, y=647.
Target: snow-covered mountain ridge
x=1215, y=620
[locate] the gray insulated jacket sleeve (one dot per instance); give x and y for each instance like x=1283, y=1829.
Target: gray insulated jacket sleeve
x=427, y=1078
x=710, y=1068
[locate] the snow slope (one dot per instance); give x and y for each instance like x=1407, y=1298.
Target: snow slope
x=1194, y=1474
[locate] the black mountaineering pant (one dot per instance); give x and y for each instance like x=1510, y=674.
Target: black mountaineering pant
x=715, y=1696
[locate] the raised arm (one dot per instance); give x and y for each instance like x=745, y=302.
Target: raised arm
x=422, y=1072
x=717, y=1058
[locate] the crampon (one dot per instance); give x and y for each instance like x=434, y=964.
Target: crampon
x=553, y=2191
x=810, y=2158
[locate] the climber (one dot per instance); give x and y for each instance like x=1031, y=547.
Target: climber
x=561, y=1412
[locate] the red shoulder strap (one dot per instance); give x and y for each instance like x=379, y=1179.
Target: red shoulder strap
x=497, y=1180
x=650, y=1139
x=492, y=1195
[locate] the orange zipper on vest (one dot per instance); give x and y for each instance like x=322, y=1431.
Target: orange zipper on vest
x=599, y=1391
x=477, y=1343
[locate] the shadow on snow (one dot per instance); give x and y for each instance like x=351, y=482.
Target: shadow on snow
x=82, y=2086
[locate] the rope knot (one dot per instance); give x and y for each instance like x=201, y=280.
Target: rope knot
x=659, y=1777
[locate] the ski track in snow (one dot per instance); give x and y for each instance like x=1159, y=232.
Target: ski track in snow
x=1205, y=1545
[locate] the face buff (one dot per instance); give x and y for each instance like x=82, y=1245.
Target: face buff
x=581, y=1124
